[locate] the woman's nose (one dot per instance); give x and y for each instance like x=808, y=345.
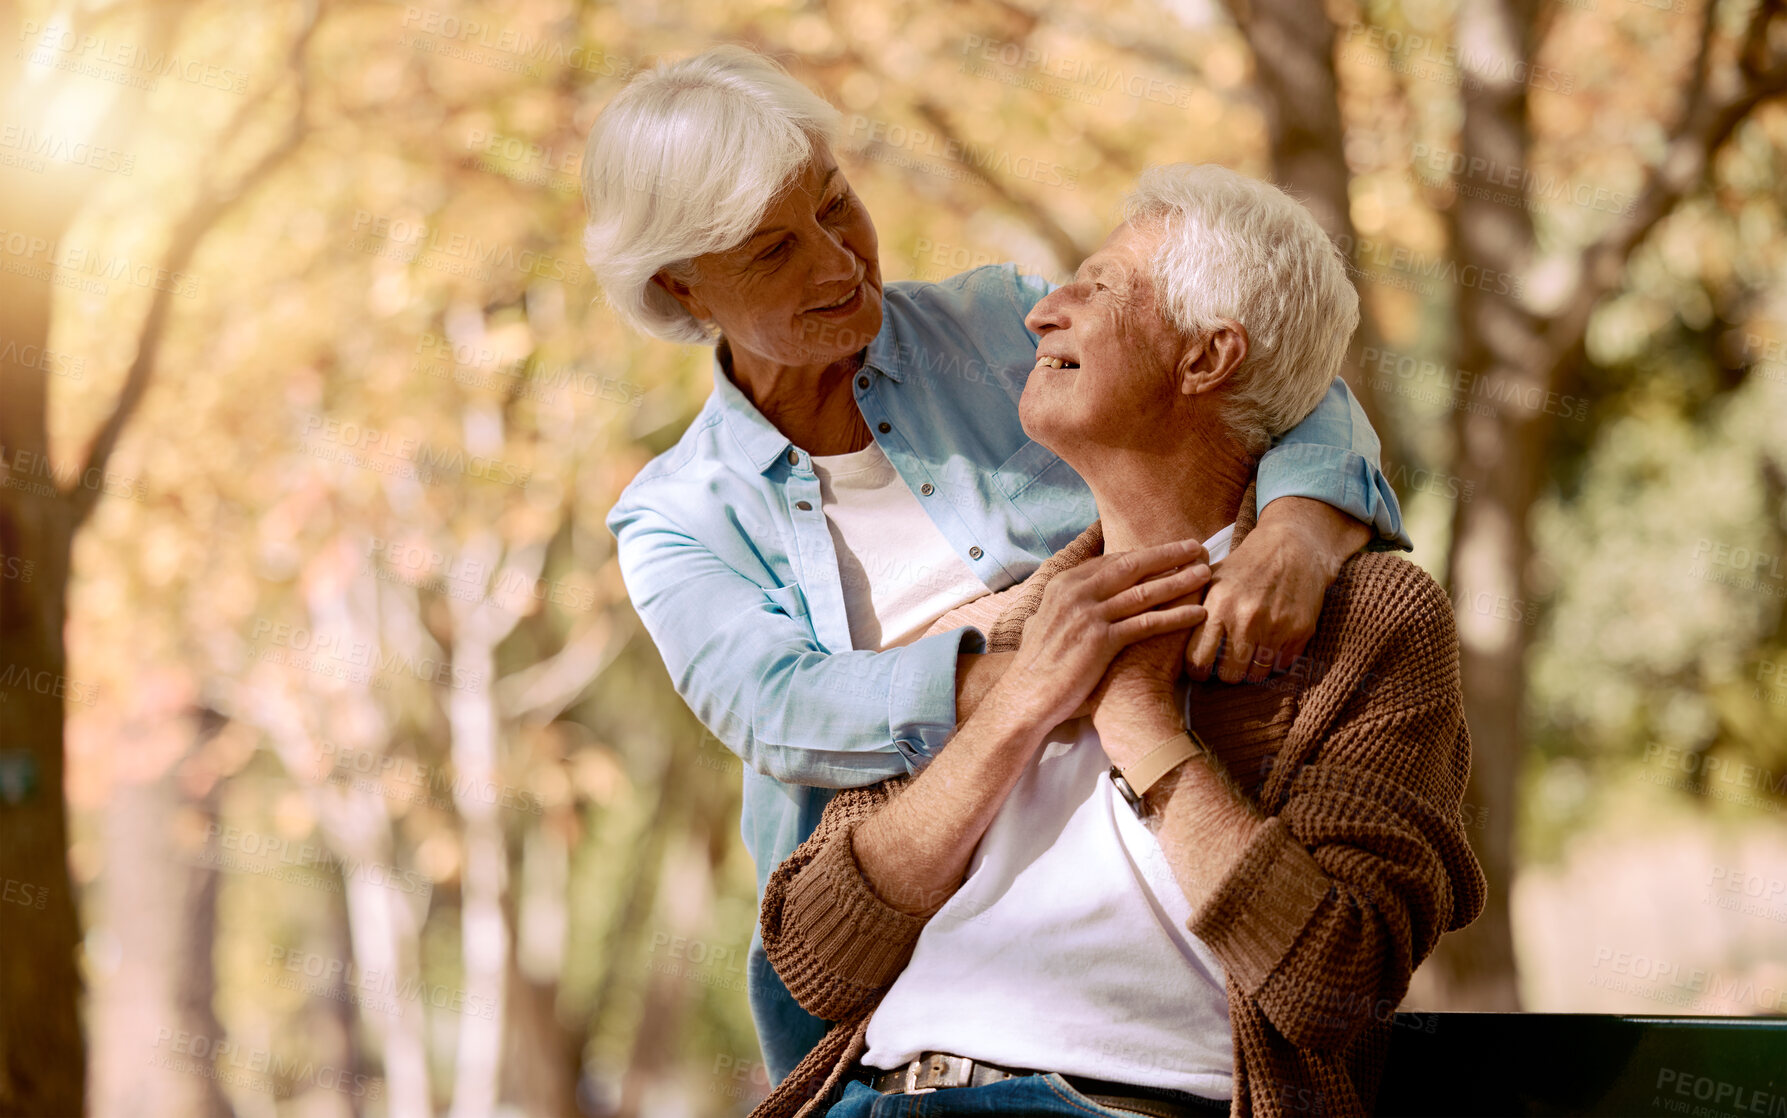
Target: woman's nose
x=835, y=259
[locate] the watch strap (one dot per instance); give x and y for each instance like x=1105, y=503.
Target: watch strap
x=1145, y=770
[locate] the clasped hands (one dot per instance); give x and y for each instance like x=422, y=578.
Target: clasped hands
x=1114, y=635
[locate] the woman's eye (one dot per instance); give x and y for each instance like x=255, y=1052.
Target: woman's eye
x=774, y=252
x=837, y=208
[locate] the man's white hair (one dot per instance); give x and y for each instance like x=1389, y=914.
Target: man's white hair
x=1241, y=249
x=685, y=161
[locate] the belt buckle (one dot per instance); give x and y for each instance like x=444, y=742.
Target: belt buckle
x=938, y=1070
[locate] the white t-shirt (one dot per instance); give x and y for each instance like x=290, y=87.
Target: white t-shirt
x=1066, y=948
x=897, y=570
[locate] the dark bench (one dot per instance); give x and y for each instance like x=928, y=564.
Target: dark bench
x=1585, y=1063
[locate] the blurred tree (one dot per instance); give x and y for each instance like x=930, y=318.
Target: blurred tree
x=42, y=1068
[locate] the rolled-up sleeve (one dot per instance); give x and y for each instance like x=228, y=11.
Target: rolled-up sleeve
x=835, y=943
x=746, y=663
x=1333, y=457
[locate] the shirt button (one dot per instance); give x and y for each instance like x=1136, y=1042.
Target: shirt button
x=884, y=428
x=805, y=507
x=793, y=457
x=975, y=553
x=927, y=489
x=861, y=382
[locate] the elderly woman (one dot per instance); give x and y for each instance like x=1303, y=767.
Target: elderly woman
x=860, y=468
x=1202, y=899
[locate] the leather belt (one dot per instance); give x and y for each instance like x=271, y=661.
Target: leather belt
x=938, y=1070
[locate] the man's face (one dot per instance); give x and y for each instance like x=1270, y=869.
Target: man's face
x=805, y=287
x=1106, y=365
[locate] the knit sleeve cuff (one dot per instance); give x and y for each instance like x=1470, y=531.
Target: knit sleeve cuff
x=1262, y=906
x=849, y=931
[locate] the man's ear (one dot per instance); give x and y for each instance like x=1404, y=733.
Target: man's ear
x=683, y=294
x=1207, y=365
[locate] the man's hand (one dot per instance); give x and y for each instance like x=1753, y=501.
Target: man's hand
x=1134, y=706
x=1264, y=600
x=1091, y=612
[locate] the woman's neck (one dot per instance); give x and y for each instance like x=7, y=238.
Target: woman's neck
x=812, y=405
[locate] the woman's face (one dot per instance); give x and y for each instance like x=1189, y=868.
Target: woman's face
x=805, y=288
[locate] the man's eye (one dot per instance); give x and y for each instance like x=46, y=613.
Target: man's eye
x=837, y=208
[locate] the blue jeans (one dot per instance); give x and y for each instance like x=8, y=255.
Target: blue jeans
x=1042, y=1095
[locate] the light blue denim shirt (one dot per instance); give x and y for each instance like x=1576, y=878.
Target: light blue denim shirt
x=728, y=560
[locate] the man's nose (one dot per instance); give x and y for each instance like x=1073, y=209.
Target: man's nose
x=1050, y=311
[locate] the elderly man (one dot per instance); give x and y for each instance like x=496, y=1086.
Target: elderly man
x=1204, y=898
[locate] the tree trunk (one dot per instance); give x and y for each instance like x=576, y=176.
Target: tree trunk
x=1293, y=57
x=1500, y=450
x=161, y=913
x=42, y=1060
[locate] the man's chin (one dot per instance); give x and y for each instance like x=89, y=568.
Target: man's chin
x=1040, y=425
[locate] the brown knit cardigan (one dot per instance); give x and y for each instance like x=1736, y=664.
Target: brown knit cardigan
x=1357, y=759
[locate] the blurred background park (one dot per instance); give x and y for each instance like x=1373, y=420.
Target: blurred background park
x=337, y=776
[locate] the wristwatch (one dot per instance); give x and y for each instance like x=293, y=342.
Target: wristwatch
x=1147, y=769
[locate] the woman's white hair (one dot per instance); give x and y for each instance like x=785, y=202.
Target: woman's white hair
x=684, y=161
x=1242, y=249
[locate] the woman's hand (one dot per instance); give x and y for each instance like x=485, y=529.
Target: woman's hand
x=1093, y=611
x=1265, y=601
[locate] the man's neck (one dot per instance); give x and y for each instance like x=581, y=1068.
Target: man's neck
x=1148, y=498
